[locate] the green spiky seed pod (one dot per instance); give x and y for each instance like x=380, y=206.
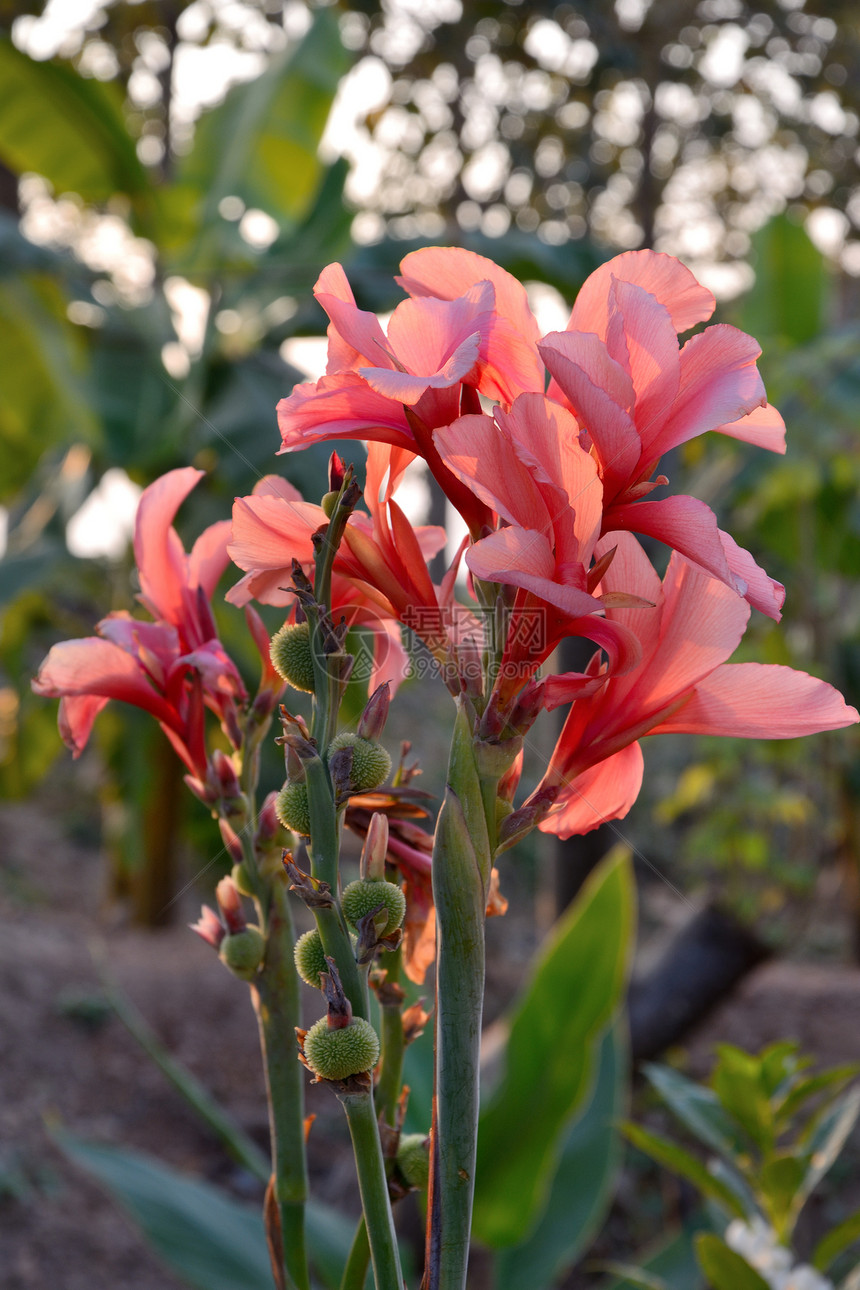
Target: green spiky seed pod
x=371, y=764
x=337, y=1054
x=413, y=1159
x=290, y=652
x=363, y=895
x=329, y=502
x=310, y=957
x=291, y=808
x=242, y=952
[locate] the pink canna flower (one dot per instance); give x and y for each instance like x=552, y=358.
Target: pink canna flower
x=173, y=667
x=380, y=576
x=635, y=394
x=681, y=683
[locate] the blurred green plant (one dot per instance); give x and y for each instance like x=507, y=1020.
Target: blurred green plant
x=773, y=1128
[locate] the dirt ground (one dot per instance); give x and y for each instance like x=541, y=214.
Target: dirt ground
x=61, y=1060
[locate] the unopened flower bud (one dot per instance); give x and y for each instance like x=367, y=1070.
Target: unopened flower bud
x=268, y=825
x=225, y=774
x=329, y=502
x=229, y=837
x=413, y=1159
x=336, y=472
x=337, y=1054
x=291, y=656
x=375, y=847
x=371, y=764
x=242, y=952
x=371, y=723
x=242, y=879
x=291, y=808
x=362, y=897
x=230, y=905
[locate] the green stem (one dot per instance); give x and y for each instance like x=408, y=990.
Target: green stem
x=391, y=1036
x=355, y=1272
x=461, y=872
x=373, y=1185
x=276, y=1002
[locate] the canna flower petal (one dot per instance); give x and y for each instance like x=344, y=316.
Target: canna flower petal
x=690, y=527
x=720, y=383
x=158, y=552
x=524, y=558
x=763, y=426
x=340, y=406
x=760, y=701
x=668, y=280
x=601, y=793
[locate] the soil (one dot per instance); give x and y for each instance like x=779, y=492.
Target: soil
x=64, y=1059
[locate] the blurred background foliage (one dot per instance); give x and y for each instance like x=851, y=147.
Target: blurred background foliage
x=173, y=177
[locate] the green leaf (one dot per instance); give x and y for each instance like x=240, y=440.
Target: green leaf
x=551, y=1052
x=724, y=1268
x=68, y=128
x=682, y=1162
x=826, y=1081
x=42, y=393
x=828, y=1137
x=781, y=1181
x=838, y=1239
x=788, y=298
x=209, y=1240
x=737, y=1083
x=628, y=1275
x=697, y=1108
x=261, y=144
x=584, y=1182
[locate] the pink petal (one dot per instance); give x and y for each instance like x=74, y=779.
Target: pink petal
x=391, y=662
x=667, y=279
x=158, y=552
x=445, y=271
x=75, y=719
x=425, y=333
x=524, y=558
x=97, y=667
x=340, y=407
x=761, y=701
x=763, y=592
x=763, y=427
x=546, y=436
x=276, y=486
x=684, y=523
x=356, y=328
x=652, y=351
x=208, y=557
x=270, y=532
x=600, y=393
x=603, y=792
x=719, y=383
x=484, y=459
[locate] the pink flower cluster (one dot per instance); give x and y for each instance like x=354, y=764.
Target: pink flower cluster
x=549, y=447
x=550, y=450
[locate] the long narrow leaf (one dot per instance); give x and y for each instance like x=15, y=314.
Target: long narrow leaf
x=724, y=1268
x=836, y=1241
x=686, y=1165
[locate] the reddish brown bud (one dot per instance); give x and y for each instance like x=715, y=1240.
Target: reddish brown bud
x=371, y=723
x=230, y=905
x=231, y=840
